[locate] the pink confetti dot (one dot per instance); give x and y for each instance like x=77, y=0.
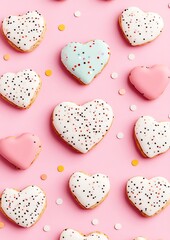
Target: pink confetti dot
x=122, y=91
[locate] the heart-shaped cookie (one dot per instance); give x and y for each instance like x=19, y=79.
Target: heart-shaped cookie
x=20, y=89
x=85, y=61
x=84, y=126
x=150, y=81
x=70, y=234
x=23, y=207
x=139, y=27
x=89, y=190
x=24, y=32
x=139, y=238
x=148, y=196
x=21, y=151
x=152, y=138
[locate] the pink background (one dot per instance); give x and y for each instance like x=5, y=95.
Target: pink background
x=112, y=156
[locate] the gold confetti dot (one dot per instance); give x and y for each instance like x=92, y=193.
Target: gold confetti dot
x=43, y=177
x=48, y=72
x=6, y=57
x=2, y=225
x=61, y=27
x=60, y=168
x=135, y=162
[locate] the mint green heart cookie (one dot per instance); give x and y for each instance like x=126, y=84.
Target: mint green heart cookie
x=85, y=61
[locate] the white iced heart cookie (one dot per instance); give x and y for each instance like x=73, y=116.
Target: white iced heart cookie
x=23, y=207
x=24, y=32
x=82, y=126
x=70, y=234
x=20, y=89
x=140, y=27
x=89, y=190
x=85, y=61
x=148, y=196
x=153, y=138
x=139, y=238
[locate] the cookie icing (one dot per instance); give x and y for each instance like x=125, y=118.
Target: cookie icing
x=21, y=88
x=139, y=238
x=140, y=27
x=70, y=234
x=24, y=31
x=153, y=137
x=148, y=196
x=23, y=207
x=82, y=126
x=85, y=61
x=150, y=81
x=89, y=191
x=20, y=151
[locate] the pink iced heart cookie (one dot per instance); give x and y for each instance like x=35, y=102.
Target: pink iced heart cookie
x=150, y=81
x=149, y=196
x=24, y=207
x=20, y=151
x=139, y=27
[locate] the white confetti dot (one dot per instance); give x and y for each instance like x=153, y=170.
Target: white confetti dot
x=118, y=226
x=59, y=201
x=131, y=56
x=169, y=5
x=46, y=228
x=120, y=135
x=133, y=108
x=169, y=116
x=77, y=14
x=114, y=75
x=95, y=221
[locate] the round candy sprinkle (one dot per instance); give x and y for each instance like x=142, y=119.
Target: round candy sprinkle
x=43, y=177
x=134, y=162
x=60, y=168
x=2, y=225
x=77, y=14
x=133, y=107
x=120, y=135
x=169, y=116
x=117, y=226
x=59, y=201
x=46, y=228
x=95, y=221
x=61, y=27
x=122, y=91
x=169, y=5
x=6, y=57
x=114, y=75
x=131, y=56
x=48, y=72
